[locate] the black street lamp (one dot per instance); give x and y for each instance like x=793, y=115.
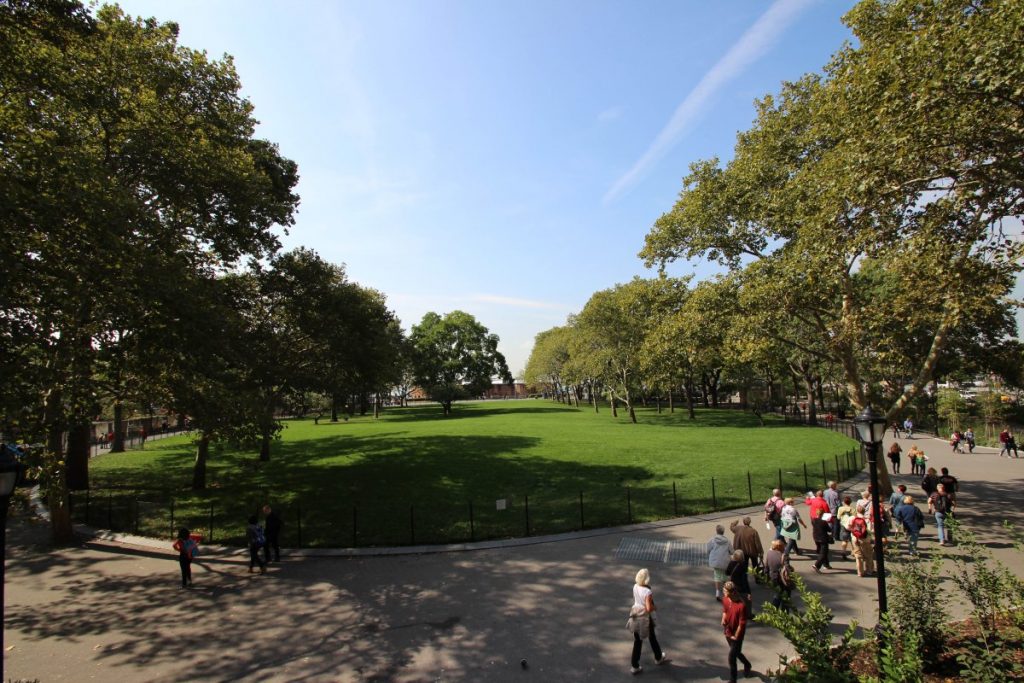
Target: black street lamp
x=10, y=475
x=871, y=431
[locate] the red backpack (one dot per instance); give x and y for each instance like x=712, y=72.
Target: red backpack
x=858, y=527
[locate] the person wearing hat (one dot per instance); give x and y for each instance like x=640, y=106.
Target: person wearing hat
x=821, y=531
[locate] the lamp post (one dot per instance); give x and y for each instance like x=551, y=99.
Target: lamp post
x=871, y=430
x=10, y=474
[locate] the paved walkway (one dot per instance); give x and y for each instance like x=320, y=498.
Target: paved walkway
x=113, y=610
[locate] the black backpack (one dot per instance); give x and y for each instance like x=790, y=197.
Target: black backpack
x=940, y=503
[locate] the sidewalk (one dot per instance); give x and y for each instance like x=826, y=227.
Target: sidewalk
x=113, y=610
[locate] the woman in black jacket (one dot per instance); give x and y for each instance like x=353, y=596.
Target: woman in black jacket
x=821, y=531
x=737, y=573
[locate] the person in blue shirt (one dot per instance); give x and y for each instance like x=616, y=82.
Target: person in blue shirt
x=910, y=517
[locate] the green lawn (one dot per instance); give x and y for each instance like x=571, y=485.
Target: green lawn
x=414, y=476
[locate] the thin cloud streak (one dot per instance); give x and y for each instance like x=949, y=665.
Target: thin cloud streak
x=517, y=303
x=751, y=45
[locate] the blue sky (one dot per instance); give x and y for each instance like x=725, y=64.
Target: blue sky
x=503, y=158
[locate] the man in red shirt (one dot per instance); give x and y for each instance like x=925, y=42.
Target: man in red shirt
x=734, y=623
x=817, y=505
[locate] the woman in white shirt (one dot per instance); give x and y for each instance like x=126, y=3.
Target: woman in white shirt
x=643, y=598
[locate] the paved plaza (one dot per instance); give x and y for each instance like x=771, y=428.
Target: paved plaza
x=113, y=609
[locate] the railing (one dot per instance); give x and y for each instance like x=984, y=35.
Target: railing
x=313, y=522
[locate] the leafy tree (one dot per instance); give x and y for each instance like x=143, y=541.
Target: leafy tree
x=121, y=150
x=854, y=166
x=455, y=357
x=546, y=365
x=951, y=407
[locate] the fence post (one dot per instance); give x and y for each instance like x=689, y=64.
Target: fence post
x=581, y=511
x=172, y=518
x=526, y=501
x=412, y=526
x=209, y=539
x=824, y=474
x=135, y=522
x=298, y=515
x=780, y=480
x=807, y=484
x=675, y=500
x=355, y=526
x=87, y=507
x=472, y=531
x=629, y=507
x=750, y=488
x=714, y=496
x=110, y=511
x=839, y=472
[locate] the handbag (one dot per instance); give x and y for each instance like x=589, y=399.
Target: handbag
x=639, y=622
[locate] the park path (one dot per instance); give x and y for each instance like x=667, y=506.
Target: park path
x=113, y=610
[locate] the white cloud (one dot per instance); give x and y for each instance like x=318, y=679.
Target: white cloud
x=757, y=40
x=610, y=114
x=514, y=302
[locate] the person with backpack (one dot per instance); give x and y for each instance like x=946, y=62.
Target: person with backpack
x=254, y=534
x=845, y=513
x=941, y=505
x=775, y=565
x=863, y=548
x=912, y=519
x=821, y=530
x=773, y=511
x=951, y=483
x=791, y=523
x=187, y=548
x=930, y=481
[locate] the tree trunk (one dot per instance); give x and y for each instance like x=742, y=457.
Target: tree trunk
x=376, y=407
x=688, y=386
x=265, y=446
x=78, y=456
x=334, y=407
x=615, y=408
x=812, y=411
x=58, y=499
x=199, y=469
x=671, y=405
x=119, y=425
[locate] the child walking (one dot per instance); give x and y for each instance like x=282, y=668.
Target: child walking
x=186, y=547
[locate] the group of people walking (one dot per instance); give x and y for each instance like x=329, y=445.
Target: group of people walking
x=834, y=518
x=265, y=537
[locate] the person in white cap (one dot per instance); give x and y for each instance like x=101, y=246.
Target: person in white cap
x=821, y=531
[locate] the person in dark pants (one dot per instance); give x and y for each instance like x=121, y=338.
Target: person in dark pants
x=734, y=623
x=254, y=534
x=822, y=533
x=643, y=600
x=272, y=523
x=186, y=548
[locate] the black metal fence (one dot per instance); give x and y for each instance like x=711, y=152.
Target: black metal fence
x=353, y=523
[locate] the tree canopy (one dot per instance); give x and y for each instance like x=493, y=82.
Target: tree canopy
x=455, y=357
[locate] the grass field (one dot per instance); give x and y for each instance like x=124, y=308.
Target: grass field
x=414, y=476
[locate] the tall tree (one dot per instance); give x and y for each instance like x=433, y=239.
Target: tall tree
x=121, y=149
x=455, y=357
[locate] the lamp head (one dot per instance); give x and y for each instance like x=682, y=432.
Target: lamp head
x=870, y=426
